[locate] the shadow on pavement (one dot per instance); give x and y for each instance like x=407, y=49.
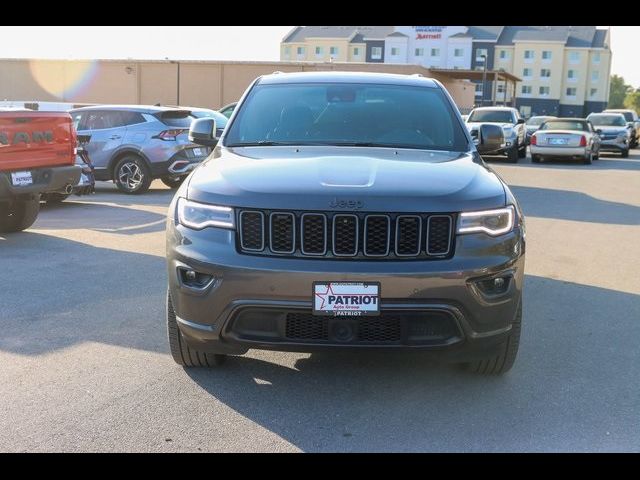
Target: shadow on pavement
x=577, y=206
x=71, y=215
x=577, y=354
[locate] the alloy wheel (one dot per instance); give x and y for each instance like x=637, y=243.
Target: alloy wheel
x=130, y=175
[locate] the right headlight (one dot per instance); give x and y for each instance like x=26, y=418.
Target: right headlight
x=492, y=222
x=198, y=215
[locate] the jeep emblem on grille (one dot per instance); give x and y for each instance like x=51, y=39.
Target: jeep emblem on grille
x=346, y=203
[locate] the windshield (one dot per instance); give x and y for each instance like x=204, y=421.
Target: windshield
x=399, y=116
x=607, y=120
x=492, y=116
x=628, y=116
x=565, y=125
x=221, y=120
x=535, y=121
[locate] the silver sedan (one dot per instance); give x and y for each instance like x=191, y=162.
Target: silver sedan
x=568, y=138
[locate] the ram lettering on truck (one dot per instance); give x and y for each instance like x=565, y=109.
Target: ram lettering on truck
x=37, y=156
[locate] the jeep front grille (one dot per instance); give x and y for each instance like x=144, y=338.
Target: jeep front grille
x=346, y=235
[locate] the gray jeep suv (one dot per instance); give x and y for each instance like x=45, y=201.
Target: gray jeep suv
x=133, y=144
x=345, y=211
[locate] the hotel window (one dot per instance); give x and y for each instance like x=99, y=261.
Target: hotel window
x=593, y=92
x=500, y=88
x=333, y=50
x=571, y=92
x=527, y=72
x=480, y=52
x=435, y=52
x=395, y=51
x=504, y=54
x=528, y=54
x=545, y=73
x=376, y=53
x=356, y=52
x=300, y=51
x=571, y=75
x=478, y=89
x=574, y=57
x=458, y=52
x=544, y=91
x=595, y=76
x=419, y=52
x=546, y=55
x=287, y=51
x=526, y=89
x=596, y=57
x=318, y=51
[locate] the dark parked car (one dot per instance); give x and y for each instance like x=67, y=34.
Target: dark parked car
x=533, y=124
x=346, y=211
x=132, y=145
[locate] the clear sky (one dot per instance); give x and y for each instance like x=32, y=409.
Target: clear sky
x=212, y=43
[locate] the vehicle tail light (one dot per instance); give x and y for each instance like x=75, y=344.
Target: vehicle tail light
x=170, y=134
x=534, y=139
x=583, y=141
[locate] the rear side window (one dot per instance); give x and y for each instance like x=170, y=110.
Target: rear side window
x=101, y=119
x=130, y=118
x=176, y=119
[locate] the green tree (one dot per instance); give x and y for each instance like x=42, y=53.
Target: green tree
x=618, y=92
x=632, y=100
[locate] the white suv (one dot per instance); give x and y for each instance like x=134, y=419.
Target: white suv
x=512, y=125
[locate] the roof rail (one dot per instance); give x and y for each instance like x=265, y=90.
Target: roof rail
x=417, y=75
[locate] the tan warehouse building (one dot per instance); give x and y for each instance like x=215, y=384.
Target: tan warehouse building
x=209, y=84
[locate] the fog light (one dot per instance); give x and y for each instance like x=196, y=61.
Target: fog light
x=494, y=286
x=193, y=279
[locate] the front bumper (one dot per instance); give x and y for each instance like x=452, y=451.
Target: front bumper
x=45, y=180
x=614, y=145
x=251, y=298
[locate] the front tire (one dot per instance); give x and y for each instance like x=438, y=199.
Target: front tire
x=625, y=153
x=131, y=175
x=172, y=182
x=182, y=353
x=512, y=154
x=501, y=362
x=535, y=158
x=522, y=153
x=19, y=215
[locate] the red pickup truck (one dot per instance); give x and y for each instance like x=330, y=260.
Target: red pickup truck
x=37, y=155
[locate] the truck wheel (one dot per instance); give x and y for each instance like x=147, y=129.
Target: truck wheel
x=504, y=359
x=588, y=159
x=535, y=158
x=172, y=182
x=512, y=154
x=53, y=198
x=182, y=353
x=625, y=153
x=20, y=215
x=131, y=175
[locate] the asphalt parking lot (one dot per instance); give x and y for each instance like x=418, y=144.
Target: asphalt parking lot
x=84, y=361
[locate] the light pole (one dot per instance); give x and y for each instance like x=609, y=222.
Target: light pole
x=484, y=76
x=177, y=79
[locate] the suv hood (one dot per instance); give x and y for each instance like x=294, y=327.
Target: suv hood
x=377, y=179
x=609, y=129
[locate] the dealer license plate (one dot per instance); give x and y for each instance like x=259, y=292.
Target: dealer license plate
x=558, y=141
x=352, y=299
x=20, y=179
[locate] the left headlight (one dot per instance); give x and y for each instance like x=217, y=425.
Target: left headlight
x=492, y=222
x=508, y=131
x=197, y=215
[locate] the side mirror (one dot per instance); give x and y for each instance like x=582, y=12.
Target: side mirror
x=203, y=132
x=520, y=121
x=599, y=131
x=491, y=138
x=631, y=125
